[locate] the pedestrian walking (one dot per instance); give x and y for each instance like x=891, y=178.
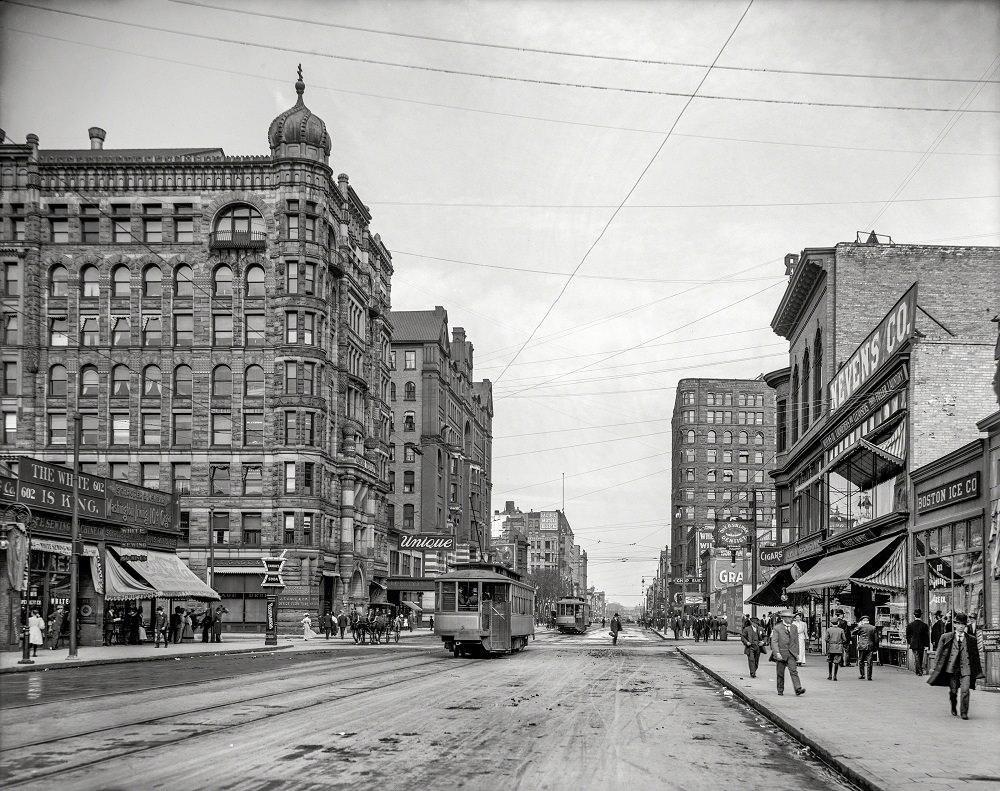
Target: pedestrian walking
x=800, y=627
x=957, y=665
x=784, y=645
x=752, y=637
x=864, y=635
x=616, y=627
x=176, y=624
x=432, y=623
x=307, y=632
x=834, y=649
x=161, y=627
x=918, y=638
x=937, y=628
x=187, y=632
x=36, y=631
x=326, y=621
x=342, y=621
x=217, y=620
x=56, y=627
x=207, y=622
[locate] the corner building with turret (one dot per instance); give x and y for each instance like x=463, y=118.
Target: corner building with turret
x=219, y=324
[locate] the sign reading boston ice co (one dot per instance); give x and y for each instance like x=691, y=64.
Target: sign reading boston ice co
x=872, y=355
x=139, y=507
x=964, y=488
x=428, y=542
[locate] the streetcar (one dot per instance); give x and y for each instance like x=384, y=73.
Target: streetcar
x=572, y=615
x=483, y=609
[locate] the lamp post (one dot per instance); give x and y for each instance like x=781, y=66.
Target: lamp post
x=74, y=558
x=211, y=547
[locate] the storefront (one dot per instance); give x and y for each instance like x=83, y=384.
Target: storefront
x=950, y=529
x=782, y=566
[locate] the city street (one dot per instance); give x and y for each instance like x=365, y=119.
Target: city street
x=568, y=712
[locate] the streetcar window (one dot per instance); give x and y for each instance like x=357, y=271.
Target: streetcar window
x=468, y=596
x=447, y=596
x=496, y=591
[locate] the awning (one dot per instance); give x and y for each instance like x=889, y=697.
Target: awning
x=866, y=463
x=836, y=570
x=892, y=575
x=412, y=606
x=769, y=593
x=170, y=578
x=238, y=570
x=119, y=585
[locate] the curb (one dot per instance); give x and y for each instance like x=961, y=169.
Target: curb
x=796, y=733
x=129, y=660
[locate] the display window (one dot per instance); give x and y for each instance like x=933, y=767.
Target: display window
x=949, y=573
x=242, y=596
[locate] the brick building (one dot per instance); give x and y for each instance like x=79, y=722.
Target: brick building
x=441, y=444
x=550, y=544
x=219, y=322
x=723, y=450
x=890, y=362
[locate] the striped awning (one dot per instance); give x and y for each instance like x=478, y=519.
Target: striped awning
x=892, y=575
x=836, y=570
x=866, y=463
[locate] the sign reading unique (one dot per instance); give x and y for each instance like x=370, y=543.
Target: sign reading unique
x=964, y=488
x=428, y=542
x=874, y=352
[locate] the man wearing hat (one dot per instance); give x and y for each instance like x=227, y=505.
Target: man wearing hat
x=752, y=636
x=937, y=628
x=957, y=665
x=784, y=651
x=918, y=637
x=867, y=643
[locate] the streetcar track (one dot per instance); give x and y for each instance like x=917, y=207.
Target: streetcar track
x=161, y=687
x=201, y=730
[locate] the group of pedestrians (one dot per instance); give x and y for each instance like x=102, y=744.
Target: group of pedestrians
x=701, y=626
x=957, y=663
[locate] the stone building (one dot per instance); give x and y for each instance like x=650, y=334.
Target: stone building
x=723, y=450
x=890, y=364
x=441, y=443
x=550, y=544
x=220, y=324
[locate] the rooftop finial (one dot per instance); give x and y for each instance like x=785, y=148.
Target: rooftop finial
x=300, y=85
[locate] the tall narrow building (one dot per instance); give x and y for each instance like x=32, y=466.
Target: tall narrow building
x=219, y=324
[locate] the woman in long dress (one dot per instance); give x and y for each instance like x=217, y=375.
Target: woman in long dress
x=307, y=632
x=36, y=632
x=187, y=634
x=800, y=627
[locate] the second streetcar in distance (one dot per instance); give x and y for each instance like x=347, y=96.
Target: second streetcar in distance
x=572, y=615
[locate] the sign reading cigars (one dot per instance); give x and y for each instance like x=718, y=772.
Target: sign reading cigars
x=885, y=340
x=771, y=556
x=428, y=542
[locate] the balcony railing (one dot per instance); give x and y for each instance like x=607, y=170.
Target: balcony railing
x=237, y=240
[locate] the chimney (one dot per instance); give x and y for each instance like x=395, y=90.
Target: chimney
x=791, y=261
x=509, y=507
x=97, y=136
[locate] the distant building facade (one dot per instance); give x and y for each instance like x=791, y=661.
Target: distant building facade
x=551, y=545
x=220, y=324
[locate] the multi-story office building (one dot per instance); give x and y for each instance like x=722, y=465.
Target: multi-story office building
x=891, y=356
x=441, y=444
x=219, y=324
x=723, y=450
x=551, y=546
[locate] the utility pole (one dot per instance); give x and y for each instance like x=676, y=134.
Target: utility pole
x=74, y=558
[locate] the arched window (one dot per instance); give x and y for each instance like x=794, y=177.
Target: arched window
x=255, y=281
x=90, y=282
x=253, y=381
x=183, y=281
x=392, y=391
x=805, y=391
x=758, y=439
x=57, y=381
x=182, y=381
x=817, y=378
x=222, y=281
x=58, y=278
x=710, y=437
x=793, y=413
x=121, y=378
x=727, y=438
x=409, y=392
x=89, y=381
x=744, y=438
x=690, y=438
x=121, y=281
x=238, y=219
x=222, y=381
x=151, y=381
x=151, y=281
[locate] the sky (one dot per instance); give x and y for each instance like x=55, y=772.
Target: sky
x=601, y=193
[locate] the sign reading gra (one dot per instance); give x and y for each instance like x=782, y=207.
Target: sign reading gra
x=964, y=488
x=733, y=534
x=428, y=542
x=771, y=556
x=874, y=352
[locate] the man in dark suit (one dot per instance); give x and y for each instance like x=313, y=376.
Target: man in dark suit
x=785, y=652
x=918, y=637
x=937, y=628
x=957, y=665
x=752, y=637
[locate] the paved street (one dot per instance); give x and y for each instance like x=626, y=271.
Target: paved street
x=570, y=712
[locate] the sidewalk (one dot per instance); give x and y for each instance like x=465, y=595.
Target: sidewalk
x=233, y=644
x=894, y=733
